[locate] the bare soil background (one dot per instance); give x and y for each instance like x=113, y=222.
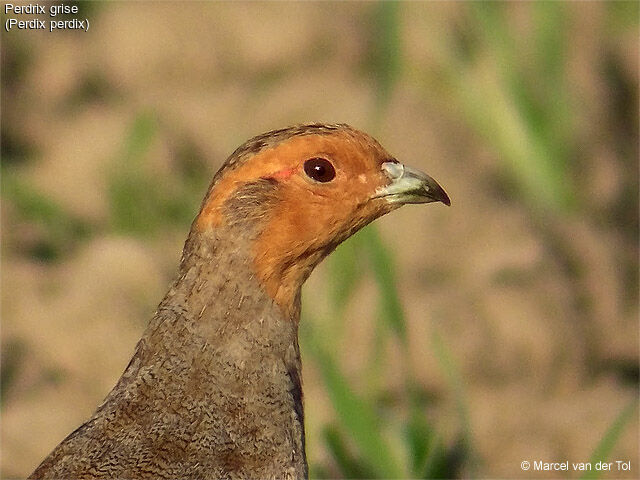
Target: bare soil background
x=538, y=308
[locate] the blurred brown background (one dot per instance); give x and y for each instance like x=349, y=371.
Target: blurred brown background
x=526, y=113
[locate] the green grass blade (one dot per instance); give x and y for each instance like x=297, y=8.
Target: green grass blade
x=419, y=437
x=610, y=438
x=355, y=415
x=384, y=273
x=62, y=229
x=455, y=381
x=508, y=110
x=437, y=462
x=345, y=274
x=133, y=194
x=348, y=464
x=141, y=134
x=385, y=51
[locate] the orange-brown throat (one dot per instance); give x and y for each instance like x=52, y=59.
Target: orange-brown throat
x=297, y=238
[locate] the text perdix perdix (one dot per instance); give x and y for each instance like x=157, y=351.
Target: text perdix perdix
x=35, y=10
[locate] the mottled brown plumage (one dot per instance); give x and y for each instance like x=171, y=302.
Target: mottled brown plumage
x=213, y=389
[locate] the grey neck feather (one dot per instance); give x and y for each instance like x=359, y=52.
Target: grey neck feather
x=213, y=389
x=219, y=349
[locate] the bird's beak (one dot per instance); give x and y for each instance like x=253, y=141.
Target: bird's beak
x=410, y=186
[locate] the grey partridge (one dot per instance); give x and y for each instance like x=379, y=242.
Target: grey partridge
x=214, y=387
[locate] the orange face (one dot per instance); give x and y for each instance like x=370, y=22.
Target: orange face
x=327, y=186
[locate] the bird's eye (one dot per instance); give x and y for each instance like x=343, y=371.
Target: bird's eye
x=319, y=169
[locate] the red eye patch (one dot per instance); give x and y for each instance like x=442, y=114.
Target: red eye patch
x=282, y=174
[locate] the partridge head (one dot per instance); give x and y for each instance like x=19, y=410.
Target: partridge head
x=213, y=389
x=303, y=190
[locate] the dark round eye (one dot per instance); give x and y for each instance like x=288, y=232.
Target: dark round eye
x=320, y=169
